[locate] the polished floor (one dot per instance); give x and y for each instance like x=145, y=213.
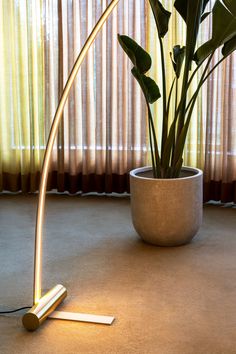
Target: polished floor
x=165, y=300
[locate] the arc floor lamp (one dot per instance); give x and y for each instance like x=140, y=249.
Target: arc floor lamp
x=44, y=306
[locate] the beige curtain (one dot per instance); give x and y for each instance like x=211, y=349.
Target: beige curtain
x=104, y=132
x=220, y=154
x=21, y=94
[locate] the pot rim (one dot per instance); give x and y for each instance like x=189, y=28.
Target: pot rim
x=197, y=173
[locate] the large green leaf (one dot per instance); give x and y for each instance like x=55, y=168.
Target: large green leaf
x=178, y=59
x=204, y=16
x=162, y=17
x=229, y=47
x=231, y=5
x=182, y=7
x=149, y=87
x=139, y=57
x=224, y=29
x=191, y=11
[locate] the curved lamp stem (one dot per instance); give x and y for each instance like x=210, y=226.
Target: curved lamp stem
x=49, y=147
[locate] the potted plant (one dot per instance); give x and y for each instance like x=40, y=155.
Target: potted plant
x=166, y=199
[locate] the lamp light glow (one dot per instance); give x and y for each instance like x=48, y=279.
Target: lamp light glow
x=43, y=306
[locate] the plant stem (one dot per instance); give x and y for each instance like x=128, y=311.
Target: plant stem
x=203, y=79
x=182, y=104
x=193, y=20
x=165, y=116
x=152, y=153
x=176, y=94
x=176, y=102
x=182, y=136
x=154, y=145
x=194, y=73
x=169, y=98
x=193, y=99
x=214, y=67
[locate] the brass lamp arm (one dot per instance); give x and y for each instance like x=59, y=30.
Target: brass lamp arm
x=49, y=147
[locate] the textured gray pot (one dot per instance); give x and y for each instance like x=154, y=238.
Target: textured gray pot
x=166, y=212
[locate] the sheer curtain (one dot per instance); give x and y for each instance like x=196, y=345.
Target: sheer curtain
x=220, y=153
x=21, y=94
x=103, y=134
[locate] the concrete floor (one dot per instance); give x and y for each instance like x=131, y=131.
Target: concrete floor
x=165, y=300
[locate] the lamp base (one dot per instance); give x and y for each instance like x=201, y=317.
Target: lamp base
x=44, y=307
x=82, y=317
x=49, y=302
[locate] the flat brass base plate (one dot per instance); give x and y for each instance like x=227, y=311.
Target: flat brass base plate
x=81, y=317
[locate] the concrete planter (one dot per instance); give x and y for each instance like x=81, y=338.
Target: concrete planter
x=166, y=212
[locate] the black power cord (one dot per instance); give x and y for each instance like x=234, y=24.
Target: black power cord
x=16, y=310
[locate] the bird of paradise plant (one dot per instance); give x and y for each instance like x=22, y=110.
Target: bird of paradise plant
x=167, y=158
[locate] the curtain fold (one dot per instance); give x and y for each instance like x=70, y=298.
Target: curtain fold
x=220, y=154
x=21, y=94
x=103, y=133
